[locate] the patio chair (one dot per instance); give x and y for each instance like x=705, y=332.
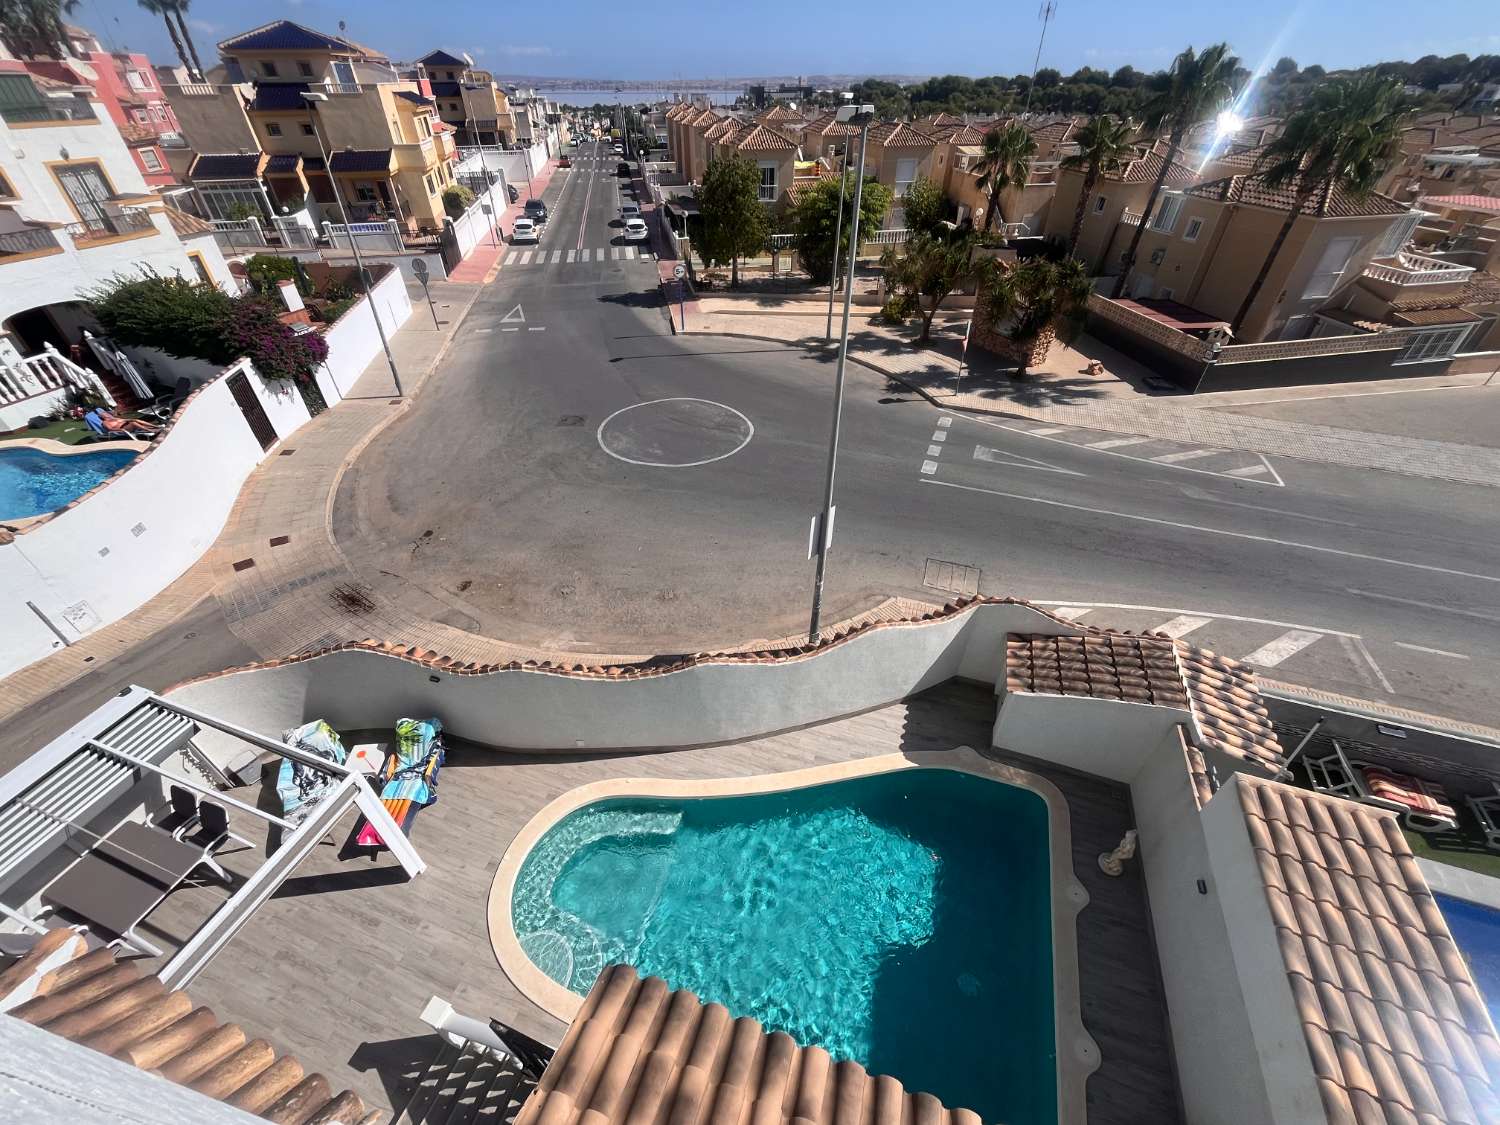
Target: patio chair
x=213, y=831
x=1424, y=806
x=163, y=406
x=179, y=813
x=1486, y=810
x=101, y=434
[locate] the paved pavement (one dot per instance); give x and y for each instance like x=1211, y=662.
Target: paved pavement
x=934, y=371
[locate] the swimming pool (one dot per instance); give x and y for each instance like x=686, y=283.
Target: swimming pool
x=34, y=482
x=903, y=920
x=1476, y=929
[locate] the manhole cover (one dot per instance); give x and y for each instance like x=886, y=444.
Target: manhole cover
x=955, y=578
x=571, y=420
x=352, y=599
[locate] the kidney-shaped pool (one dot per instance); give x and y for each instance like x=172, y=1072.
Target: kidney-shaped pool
x=34, y=482
x=902, y=920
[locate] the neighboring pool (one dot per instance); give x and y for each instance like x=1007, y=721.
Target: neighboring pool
x=34, y=482
x=1477, y=930
x=902, y=920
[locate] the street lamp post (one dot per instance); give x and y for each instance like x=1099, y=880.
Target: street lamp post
x=824, y=530
x=312, y=100
x=838, y=234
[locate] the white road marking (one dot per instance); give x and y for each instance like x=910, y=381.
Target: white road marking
x=516, y=315
x=944, y=421
x=557, y=254
x=485, y=331
x=1045, y=430
x=573, y=254
x=540, y=328
x=517, y=329
x=1071, y=612
x=1363, y=651
x=1228, y=534
x=1421, y=605
x=1017, y=461
x=1247, y=471
x=1182, y=625
x=932, y=450
x=526, y=257
x=1210, y=613
x=1288, y=644
x=1424, y=648
x=1186, y=455
x=928, y=467
x=1115, y=443
x=937, y=435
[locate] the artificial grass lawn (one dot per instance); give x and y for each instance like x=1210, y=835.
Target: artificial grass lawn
x=1464, y=848
x=69, y=431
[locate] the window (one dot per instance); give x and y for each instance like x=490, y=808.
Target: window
x=906, y=172
x=1434, y=343
x=304, y=68
x=364, y=191
x=139, y=116
x=87, y=189
x=1331, y=266
x=1396, y=236
x=428, y=181
x=200, y=268
x=1166, y=214
x=268, y=68
x=1100, y=203
x=137, y=80
x=768, y=183
x=273, y=129
x=454, y=108
x=233, y=71
x=343, y=73
x=1194, y=228
x=152, y=160
x=308, y=130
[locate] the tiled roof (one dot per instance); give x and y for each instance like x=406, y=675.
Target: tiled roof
x=108, y=1006
x=444, y=89
x=186, y=225
x=441, y=58
x=1488, y=203
x=900, y=135
x=1220, y=694
x=1427, y=318
x=284, y=35
x=1481, y=289
x=639, y=1052
x=1055, y=133
x=1333, y=203
x=1147, y=168
x=283, y=164
x=416, y=98
x=703, y=117
x=777, y=114
x=762, y=138
x=1395, y=1028
x=225, y=166
x=942, y=119
x=279, y=96
x=966, y=135
x=361, y=160
x=721, y=129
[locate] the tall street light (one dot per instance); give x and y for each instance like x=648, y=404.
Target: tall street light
x=312, y=99
x=838, y=234
x=823, y=532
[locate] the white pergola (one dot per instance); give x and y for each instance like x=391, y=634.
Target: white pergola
x=46, y=802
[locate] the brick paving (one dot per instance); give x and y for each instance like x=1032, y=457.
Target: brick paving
x=1101, y=404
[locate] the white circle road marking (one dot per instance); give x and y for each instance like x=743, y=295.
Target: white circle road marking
x=749, y=433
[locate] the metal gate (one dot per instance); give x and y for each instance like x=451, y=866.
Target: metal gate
x=250, y=407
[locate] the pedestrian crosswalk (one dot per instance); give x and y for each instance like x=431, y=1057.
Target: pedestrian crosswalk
x=1167, y=452
x=521, y=256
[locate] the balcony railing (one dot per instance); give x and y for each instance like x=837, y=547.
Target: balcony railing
x=1130, y=219
x=110, y=226
x=344, y=88
x=171, y=140
x=1415, y=269
x=199, y=89
x=27, y=241
x=419, y=155
x=76, y=109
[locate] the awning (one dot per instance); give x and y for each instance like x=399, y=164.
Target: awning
x=1182, y=317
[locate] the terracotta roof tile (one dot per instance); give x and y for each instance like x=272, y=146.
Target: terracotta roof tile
x=186, y=225
x=639, y=1052
x=777, y=114
x=720, y=129
x=1488, y=203
x=108, y=1006
x=1481, y=289
x=762, y=138
x=1055, y=132
x=1145, y=169
x=1427, y=318
x=900, y=135
x=1394, y=1025
x=1334, y=204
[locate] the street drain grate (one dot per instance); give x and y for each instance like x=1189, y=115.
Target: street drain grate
x=289, y=452
x=955, y=578
x=283, y=540
x=246, y=564
x=352, y=599
x=571, y=420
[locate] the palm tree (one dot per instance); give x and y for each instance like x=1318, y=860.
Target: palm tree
x=34, y=27
x=1103, y=143
x=1342, y=141
x=1038, y=301
x=1197, y=86
x=179, y=9
x=163, y=8
x=1005, y=162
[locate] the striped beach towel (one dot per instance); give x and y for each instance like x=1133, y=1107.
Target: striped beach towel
x=409, y=776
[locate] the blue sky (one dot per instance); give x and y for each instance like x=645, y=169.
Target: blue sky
x=607, y=38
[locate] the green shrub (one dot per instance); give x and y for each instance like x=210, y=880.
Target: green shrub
x=335, y=309
x=265, y=270
x=456, y=200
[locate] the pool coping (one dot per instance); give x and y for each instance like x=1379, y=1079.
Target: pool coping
x=1078, y=1056
x=63, y=449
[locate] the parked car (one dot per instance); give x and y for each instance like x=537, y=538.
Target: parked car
x=635, y=229
x=567, y=162
x=619, y=150
x=536, y=210
x=622, y=169
x=630, y=211
x=524, y=230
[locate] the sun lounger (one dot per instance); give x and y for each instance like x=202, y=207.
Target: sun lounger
x=1424, y=806
x=1486, y=811
x=409, y=775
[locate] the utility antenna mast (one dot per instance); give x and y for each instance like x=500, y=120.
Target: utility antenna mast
x=1045, y=14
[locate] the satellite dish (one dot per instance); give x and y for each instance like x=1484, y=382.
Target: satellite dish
x=343, y=27
x=468, y=58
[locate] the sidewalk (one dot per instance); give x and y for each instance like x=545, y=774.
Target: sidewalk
x=483, y=261
x=1094, y=403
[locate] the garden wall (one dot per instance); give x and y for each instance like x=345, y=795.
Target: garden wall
x=353, y=340
x=121, y=544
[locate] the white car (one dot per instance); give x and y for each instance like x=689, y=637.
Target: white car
x=524, y=230
x=630, y=211
x=635, y=229
x=619, y=150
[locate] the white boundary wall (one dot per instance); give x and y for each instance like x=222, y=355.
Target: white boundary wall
x=509, y=162
x=474, y=226
x=100, y=560
x=353, y=340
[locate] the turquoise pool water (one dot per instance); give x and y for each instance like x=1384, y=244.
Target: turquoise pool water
x=1476, y=929
x=33, y=482
x=902, y=920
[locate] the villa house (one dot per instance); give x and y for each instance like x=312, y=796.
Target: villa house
x=897, y=153
x=1025, y=205
x=772, y=151
x=75, y=210
x=1446, y=154
x=1114, y=208
x=254, y=143
x=468, y=100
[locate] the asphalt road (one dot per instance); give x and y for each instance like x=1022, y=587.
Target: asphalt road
x=592, y=482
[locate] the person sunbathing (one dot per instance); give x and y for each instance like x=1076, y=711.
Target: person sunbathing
x=112, y=423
